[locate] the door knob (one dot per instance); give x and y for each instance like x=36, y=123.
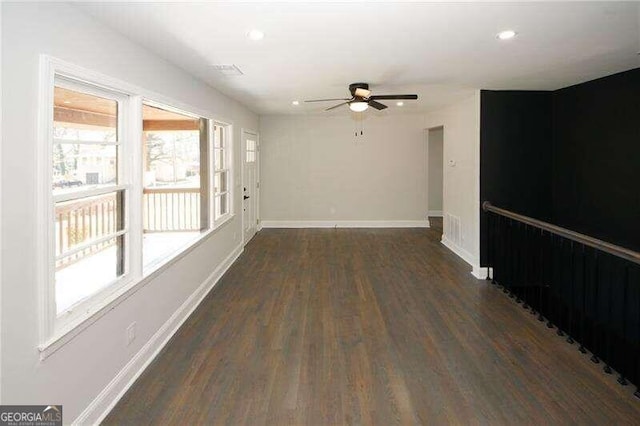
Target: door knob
x=245, y=197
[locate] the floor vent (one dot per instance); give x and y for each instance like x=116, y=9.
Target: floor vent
x=452, y=229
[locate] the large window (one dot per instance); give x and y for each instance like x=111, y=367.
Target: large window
x=89, y=192
x=132, y=185
x=175, y=192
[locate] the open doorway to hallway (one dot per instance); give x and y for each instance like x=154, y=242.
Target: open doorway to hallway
x=435, y=154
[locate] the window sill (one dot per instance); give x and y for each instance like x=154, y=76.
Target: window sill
x=100, y=308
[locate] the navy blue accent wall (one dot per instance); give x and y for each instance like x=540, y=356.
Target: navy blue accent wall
x=515, y=156
x=570, y=156
x=596, y=158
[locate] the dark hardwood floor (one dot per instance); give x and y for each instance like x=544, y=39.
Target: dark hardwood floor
x=357, y=326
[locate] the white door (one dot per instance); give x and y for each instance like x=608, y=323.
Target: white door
x=250, y=191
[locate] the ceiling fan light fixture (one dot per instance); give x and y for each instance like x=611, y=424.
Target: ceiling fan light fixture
x=358, y=106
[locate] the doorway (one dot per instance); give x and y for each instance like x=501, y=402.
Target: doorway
x=435, y=154
x=250, y=184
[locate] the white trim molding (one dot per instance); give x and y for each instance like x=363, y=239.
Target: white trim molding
x=345, y=223
x=477, y=271
x=98, y=409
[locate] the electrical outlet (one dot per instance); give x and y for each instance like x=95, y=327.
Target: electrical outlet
x=131, y=333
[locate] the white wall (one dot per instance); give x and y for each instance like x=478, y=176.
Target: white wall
x=461, y=195
x=80, y=370
x=436, y=147
x=314, y=170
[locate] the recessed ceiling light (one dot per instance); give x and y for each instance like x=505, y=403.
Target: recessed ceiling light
x=506, y=35
x=255, y=35
x=295, y=103
x=66, y=102
x=399, y=103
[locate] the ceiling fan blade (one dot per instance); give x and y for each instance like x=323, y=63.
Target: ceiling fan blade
x=327, y=100
x=377, y=105
x=336, y=106
x=390, y=97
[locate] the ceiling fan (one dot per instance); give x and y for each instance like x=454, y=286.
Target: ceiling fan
x=361, y=98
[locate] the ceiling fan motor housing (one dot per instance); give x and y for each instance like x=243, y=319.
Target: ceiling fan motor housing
x=354, y=86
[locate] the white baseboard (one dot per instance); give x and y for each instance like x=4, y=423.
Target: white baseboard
x=98, y=409
x=345, y=224
x=480, y=272
x=476, y=270
x=435, y=213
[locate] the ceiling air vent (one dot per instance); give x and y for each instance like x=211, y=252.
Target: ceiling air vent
x=228, y=69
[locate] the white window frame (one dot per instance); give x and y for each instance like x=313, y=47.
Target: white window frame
x=205, y=166
x=227, y=150
x=123, y=184
x=54, y=72
x=53, y=333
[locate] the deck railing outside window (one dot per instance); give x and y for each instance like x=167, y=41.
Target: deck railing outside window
x=82, y=221
x=171, y=209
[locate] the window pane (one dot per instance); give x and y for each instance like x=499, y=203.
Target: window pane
x=251, y=145
x=220, y=182
x=85, y=273
x=171, y=209
x=221, y=206
x=78, y=166
x=84, y=220
x=88, y=256
x=159, y=246
x=171, y=195
x=219, y=159
x=79, y=116
x=218, y=136
x=224, y=204
x=172, y=158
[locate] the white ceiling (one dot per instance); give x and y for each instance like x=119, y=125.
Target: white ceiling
x=441, y=51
